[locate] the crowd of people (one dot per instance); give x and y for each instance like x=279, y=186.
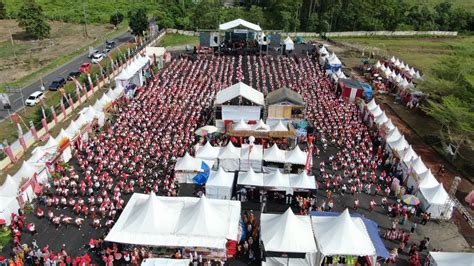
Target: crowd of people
x=137, y=148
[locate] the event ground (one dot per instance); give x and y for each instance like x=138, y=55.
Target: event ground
x=444, y=235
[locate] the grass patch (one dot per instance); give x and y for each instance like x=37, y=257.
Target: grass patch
x=178, y=39
x=420, y=52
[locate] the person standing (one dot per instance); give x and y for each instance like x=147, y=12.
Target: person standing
x=356, y=204
x=372, y=205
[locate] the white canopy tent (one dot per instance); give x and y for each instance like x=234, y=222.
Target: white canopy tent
x=26, y=171
x=450, y=259
x=289, y=44
x=236, y=23
x=433, y=200
x=220, y=184
x=177, y=222
x=276, y=180
x=250, y=178
x=240, y=89
x=187, y=167
x=132, y=73
x=8, y=205
x=288, y=233
x=240, y=112
x=342, y=235
x=427, y=180
x=418, y=167
x=229, y=157
x=251, y=157
x=274, y=154
x=165, y=262
x=296, y=156
x=208, y=152
x=280, y=127
x=241, y=125
x=302, y=181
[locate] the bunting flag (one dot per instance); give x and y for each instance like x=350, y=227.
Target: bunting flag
x=71, y=103
x=9, y=152
x=90, y=82
x=34, y=132
x=78, y=93
x=45, y=124
x=55, y=116
x=111, y=62
x=23, y=143
x=63, y=108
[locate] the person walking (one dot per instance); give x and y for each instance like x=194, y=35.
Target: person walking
x=356, y=204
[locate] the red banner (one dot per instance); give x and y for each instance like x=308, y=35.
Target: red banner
x=34, y=133
x=63, y=109
x=9, y=152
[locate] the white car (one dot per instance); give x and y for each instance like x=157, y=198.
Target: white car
x=96, y=58
x=34, y=98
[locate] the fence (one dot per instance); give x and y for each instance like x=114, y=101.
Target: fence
x=61, y=114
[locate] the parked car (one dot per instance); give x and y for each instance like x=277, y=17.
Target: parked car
x=73, y=74
x=85, y=67
x=34, y=98
x=92, y=52
x=56, y=84
x=96, y=58
x=110, y=43
x=106, y=50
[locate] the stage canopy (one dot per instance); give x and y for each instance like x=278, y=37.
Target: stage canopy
x=288, y=233
x=239, y=89
x=238, y=23
x=176, y=222
x=284, y=96
x=342, y=235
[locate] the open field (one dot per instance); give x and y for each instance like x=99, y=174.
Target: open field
x=421, y=52
x=178, y=39
x=32, y=55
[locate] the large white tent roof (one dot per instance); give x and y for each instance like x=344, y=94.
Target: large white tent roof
x=9, y=188
x=274, y=154
x=27, y=170
x=240, y=89
x=342, y=235
x=229, y=152
x=220, y=178
x=239, y=22
x=287, y=232
x=177, y=222
x=452, y=258
x=296, y=156
x=302, y=181
x=276, y=180
x=371, y=105
x=208, y=152
x=256, y=153
x=435, y=195
x=188, y=163
x=250, y=178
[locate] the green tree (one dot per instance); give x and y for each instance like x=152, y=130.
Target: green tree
x=3, y=10
x=33, y=21
x=116, y=18
x=138, y=21
x=457, y=120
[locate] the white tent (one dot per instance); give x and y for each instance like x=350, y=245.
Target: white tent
x=408, y=155
x=418, y=166
x=451, y=259
x=26, y=171
x=10, y=187
x=219, y=185
x=241, y=125
x=63, y=135
x=280, y=127
x=334, y=60
x=323, y=50
x=376, y=111
x=250, y=178
x=393, y=135
x=261, y=126
x=8, y=205
x=251, y=157
x=378, y=65
x=229, y=157
x=177, y=222
x=289, y=44
x=188, y=163
x=371, y=105
x=288, y=233
x=296, y=156
x=389, y=125
x=240, y=89
x=81, y=120
x=73, y=129
x=165, y=262
x=427, y=179
x=37, y=157
x=239, y=23
x=433, y=200
x=274, y=154
x=207, y=152
x=302, y=181
x=52, y=144
x=276, y=180
x=381, y=119
x=342, y=235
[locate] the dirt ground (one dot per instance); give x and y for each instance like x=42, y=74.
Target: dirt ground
x=33, y=54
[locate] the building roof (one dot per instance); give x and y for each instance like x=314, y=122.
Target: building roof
x=284, y=95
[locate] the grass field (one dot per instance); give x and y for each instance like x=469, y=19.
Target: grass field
x=421, y=52
x=178, y=39
x=29, y=59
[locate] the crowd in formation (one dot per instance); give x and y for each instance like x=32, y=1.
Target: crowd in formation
x=137, y=148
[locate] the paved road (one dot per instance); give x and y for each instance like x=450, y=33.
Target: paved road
x=73, y=65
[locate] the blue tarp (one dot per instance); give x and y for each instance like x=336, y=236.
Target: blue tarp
x=368, y=92
x=372, y=229
x=202, y=177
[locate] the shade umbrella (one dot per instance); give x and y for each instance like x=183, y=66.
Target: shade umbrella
x=410, y=200
x=208, y=129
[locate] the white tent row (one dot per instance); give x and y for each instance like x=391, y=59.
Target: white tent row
x=132, y=73
x=277, y=180
x=434, y=200
x=276, y=155
x=177, y=222
x=260, y=126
